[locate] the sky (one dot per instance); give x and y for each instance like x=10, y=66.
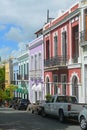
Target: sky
x=20, y=19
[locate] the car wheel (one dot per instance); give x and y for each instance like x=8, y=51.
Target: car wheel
x=61, y=116
x=83, y=123
x=43, y=113
x=38, y=112
x=32, y=111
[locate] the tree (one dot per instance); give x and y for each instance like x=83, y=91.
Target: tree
x=10, y=89
x=2, y=77
x=48, y=97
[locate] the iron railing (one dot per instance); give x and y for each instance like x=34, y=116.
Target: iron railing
x=83, y=36
x=19, y=77
x=56, y=61
x=26, y=76
x=75, y=59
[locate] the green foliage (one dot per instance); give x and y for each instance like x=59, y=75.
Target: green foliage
x=48, y=97
x=7, y=94
x=9, y=91
x=2, y=77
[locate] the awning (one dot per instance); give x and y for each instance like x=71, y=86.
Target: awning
x=39, y=87
x=34, y=87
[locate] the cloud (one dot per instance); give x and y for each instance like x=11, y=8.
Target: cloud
x=14, y=34
x=5, y=52
x=29, y=14
x=21, y=47
x=25, y=17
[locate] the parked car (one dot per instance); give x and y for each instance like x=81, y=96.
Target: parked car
x=82, y=118
x=36, y=107
x=63, y=107
x=22, y=104
x=13, y=102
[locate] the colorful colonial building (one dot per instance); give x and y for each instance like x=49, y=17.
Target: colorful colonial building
x=36, y=70
x=62, y=54
x=83, y=44
x=23, y=73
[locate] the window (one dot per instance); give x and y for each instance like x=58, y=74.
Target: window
x=32, y=62
x=64, y=44
x=47, y=86
x=55, y=46
x=19, y=70
x=24, y=69
x=47, y=50
x=39, y=60
x=14, y=77
x=27, y=68
x=55, y=80
x=61, y=99
x=63, y=81
x=75, y=44
x=35, y=62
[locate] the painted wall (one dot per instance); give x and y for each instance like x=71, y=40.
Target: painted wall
x=36, y=47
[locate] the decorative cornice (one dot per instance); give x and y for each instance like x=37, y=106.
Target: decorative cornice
x=73, y=66
x=36, y=42
x=65, y=19
x=35, y=45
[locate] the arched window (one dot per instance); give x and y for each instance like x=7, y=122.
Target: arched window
x=75, y=86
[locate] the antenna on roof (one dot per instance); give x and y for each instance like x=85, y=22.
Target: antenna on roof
x=47, y=15
x=49, y=18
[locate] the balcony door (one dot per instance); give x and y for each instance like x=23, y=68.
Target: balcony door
x=55, y=80
x=64, y=46
x=55, y=46
x=86, y=24
x=75, y=86
x=47, y=50
x=64, y=83
x=47, y=86
x=75, y=44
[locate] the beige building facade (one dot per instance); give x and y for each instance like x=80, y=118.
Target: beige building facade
x=8, y=72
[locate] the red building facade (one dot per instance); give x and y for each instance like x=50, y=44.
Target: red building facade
x=62, y=65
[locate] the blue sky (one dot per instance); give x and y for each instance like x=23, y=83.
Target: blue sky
x=20, y=19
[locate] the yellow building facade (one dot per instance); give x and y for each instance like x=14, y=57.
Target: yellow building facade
x=8, y=73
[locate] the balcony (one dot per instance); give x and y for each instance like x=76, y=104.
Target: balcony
x=35, y=73
x=14, y=82
x=19, y=77
x=75, y=59
x=26, y=77
x=83, y=37
x=58, y=61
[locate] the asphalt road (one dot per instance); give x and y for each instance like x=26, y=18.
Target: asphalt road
x=21, y=120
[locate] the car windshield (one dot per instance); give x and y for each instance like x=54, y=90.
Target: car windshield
x=66, y=99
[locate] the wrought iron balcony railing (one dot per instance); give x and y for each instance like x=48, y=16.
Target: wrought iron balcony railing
x=75, y=59
x=56, y=61
x=19, y=77
x=26, y=77
x=83, y=36
x=14, y=82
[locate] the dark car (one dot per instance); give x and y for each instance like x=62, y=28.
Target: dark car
x=13, y=103
x=22, y=104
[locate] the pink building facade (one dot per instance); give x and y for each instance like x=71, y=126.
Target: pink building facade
x=62, y=54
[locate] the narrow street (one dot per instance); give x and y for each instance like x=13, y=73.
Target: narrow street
x=21, y=120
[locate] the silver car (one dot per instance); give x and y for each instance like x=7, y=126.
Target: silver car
x=82, y=118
